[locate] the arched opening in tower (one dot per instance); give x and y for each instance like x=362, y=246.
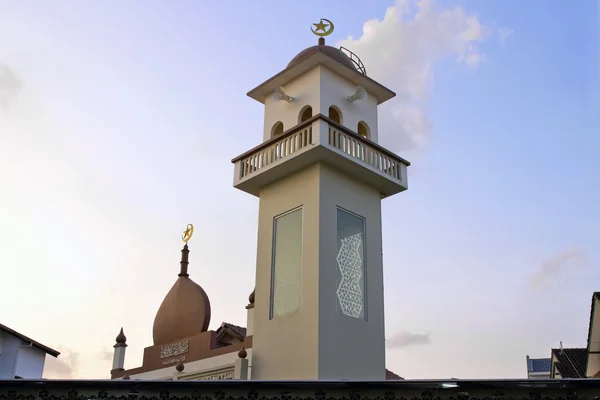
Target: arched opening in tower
x=305, y=114
x=335, y=114
x=363, y=129
x=277, y=129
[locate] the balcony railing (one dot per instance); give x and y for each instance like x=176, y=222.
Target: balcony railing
x=357, y=147
x=282, y=147
x=346, y=149
x=575, y=389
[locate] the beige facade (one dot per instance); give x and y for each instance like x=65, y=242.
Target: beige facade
x=317, y=341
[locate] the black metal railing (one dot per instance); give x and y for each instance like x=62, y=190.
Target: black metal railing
x=354, y=58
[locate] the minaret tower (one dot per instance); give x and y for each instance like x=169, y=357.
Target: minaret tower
x=320, y=176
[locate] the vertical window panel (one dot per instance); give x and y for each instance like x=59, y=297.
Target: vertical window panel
x=286, y=273
x=350, y=259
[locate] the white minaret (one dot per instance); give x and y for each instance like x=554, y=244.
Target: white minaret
x=320, y=176
x=119, y=352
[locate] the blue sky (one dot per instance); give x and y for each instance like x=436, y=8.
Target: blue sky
x=129, y=114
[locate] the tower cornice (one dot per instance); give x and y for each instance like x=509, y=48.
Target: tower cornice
x=375, y=89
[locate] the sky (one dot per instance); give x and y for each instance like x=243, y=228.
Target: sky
x=119, y=120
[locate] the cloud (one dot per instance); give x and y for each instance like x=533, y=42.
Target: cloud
x=10, y=86
x=568, y=258
x=405, y=339
x=63, y=367
x=504, y=34
x=401, y=51
x=105, y=355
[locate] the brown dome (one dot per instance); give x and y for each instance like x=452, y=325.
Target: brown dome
x=332, y=52
x=184, y=312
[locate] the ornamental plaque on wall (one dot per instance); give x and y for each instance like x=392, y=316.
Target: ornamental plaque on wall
x=174, y=352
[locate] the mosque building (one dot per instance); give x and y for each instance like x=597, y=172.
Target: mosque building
x=320, y=176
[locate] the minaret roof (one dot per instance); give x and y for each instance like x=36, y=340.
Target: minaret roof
x=185, y=311
x=332, y=58
x=121, y=339
x=335, y=53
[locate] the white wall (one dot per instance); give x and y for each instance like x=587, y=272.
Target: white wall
x=305, y=90
x=321, y=88
x=30, y=362
x=334, y=90
x=194, y=366
x=17, y=359
x=8, y=355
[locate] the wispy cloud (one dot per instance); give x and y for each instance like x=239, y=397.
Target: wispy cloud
x=405, y=339
x=10, y=86
x=105, y=355
x=401, y=51
x=570, y=257
x=63, y=367
x=504, y=34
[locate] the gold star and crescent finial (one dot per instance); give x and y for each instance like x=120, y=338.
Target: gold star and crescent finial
x=323, y=28
x=187, y=234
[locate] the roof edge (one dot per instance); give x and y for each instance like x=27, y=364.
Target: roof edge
x=595, y=296
x=46, y=349
x=260, y=92
x=568, y=362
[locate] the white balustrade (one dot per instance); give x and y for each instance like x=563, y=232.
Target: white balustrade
x=280, y=149
x=358, y=149
x=320, y=133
